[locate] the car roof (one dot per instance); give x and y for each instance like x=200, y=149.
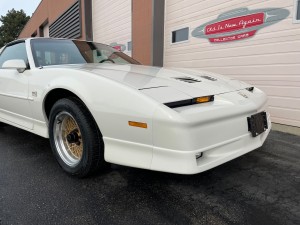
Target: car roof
x=15, y=41
x=49, y=38
x=32, y=38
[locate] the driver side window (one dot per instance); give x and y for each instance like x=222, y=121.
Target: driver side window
x=15, y=51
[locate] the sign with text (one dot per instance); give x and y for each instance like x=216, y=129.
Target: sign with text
x=239, y=24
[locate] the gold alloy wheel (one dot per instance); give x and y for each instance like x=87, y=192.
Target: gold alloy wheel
x=68, y=139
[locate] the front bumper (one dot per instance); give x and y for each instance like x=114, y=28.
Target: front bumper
x=185, y=162
x=218, y=130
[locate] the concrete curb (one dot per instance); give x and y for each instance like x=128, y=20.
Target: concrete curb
x=286, y=129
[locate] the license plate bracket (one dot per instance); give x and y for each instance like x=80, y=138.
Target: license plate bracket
x=257, y=123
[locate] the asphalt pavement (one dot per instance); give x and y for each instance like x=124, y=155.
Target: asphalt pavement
x=262, y=187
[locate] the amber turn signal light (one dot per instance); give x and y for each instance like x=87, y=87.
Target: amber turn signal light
x=138, y=124
x=190, y=101
x=203, y=99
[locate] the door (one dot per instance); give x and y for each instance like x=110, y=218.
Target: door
x=14, y=102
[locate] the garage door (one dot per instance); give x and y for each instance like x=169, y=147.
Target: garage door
x=112, y=23
x=255, y=41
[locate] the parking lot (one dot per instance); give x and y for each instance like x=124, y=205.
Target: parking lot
x=262, y=187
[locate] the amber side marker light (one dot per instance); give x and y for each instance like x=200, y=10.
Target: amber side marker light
x=138, y=124
x=203, y=99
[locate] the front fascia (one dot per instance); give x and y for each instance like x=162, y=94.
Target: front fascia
x=217, y=131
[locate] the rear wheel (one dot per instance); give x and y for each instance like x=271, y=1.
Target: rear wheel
x=75, y=138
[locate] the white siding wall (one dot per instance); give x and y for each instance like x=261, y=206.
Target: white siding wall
x=46, y=30
x=270, y=60
x=112, y=22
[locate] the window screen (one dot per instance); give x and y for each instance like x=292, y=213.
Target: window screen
x=180, y=35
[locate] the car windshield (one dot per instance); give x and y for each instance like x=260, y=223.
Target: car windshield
x=47, y=52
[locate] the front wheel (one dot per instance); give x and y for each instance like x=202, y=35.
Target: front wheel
x=2, y=125
x=75, y=138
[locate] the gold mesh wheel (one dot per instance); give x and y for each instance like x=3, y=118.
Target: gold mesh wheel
x=68, y=139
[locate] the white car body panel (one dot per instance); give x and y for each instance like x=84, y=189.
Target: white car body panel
x=116, y=94
x=14, y=96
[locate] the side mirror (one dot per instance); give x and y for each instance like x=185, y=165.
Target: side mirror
x=17, y=64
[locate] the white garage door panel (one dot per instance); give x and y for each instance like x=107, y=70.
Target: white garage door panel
x=114, y=18
x=286, y=37
x=283, y=91
x=191, y=11
x=112, y=22
x=239, y=71
x=271, y=78
x=287, y=83
x=284, y=102
x=113, y=31
x=291, y=114
x=268, y=49
x=270, y=59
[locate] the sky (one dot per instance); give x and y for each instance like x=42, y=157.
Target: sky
x=28, y=6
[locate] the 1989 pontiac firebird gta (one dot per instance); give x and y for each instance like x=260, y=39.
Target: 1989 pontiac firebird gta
x=98, y=105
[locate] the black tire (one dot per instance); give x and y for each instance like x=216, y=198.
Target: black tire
x=92, y=156
x=3, y=124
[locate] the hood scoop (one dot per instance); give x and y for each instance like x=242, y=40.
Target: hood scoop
x=187, y=79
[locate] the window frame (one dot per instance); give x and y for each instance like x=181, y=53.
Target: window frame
x=296, y=6
x=177, y=29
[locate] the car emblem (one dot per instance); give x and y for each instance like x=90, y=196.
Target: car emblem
x=243, y=94
x=34, y=94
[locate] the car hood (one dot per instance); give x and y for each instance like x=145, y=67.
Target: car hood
x=171, y=83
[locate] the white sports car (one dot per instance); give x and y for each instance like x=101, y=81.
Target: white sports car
x=98, y=105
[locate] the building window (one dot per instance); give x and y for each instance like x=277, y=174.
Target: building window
x=297, y=11
x=180, y=35
x=129, y=46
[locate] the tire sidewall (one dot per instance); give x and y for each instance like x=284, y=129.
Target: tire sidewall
x=66, y=105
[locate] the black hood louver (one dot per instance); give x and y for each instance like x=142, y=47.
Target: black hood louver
x=209, y=78
x=187, y=79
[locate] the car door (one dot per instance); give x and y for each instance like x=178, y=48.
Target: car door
x=14, y=101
